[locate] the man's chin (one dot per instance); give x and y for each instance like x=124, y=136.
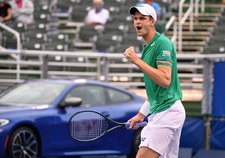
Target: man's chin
x=139, y=33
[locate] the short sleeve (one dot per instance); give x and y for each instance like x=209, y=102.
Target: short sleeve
x=164, y=52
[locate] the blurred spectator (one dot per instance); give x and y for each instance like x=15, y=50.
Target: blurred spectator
x=23, y=11
x=98, y=14
x=5, y=11
x=155, y=5
x=160, y=24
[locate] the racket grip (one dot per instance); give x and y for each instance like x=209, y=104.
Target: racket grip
x=140, y=124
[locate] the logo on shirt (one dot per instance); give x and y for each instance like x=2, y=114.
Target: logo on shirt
x=143, y=139
x=152, y=44
x=166, y=53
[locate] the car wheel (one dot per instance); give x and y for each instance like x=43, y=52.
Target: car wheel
x=135, y=144
x=23, y=143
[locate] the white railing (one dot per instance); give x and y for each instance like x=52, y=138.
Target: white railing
x=172, y=22
x=193, y=7
x=197, y=6
x=108, y=67
x=17, y=34
x=18, y=47
x=195, y=71
x=182, y=19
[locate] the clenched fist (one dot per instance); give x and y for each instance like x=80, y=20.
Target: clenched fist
x=130, y=54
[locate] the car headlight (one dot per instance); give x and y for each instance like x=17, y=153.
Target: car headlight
x=3, y=122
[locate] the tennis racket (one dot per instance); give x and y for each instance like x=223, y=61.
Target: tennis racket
x=90, y=125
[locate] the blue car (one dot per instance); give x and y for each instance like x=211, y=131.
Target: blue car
x=34, y=118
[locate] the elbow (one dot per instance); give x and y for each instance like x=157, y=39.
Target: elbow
x=166, y=83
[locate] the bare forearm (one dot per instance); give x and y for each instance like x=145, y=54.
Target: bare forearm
x=157, y=75
x=160, y=75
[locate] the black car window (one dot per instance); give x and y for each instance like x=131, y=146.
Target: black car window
x=90, y=94
x=116, y=96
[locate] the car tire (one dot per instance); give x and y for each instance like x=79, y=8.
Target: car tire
x=23, y=142
x=135, y=144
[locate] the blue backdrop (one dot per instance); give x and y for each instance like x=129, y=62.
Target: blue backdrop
x=218, y=135
x=218, y=105
x=193, y=134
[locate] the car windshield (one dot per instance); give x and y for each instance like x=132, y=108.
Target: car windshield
x=35, y=93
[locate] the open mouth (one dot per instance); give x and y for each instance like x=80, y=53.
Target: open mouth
x=138, y=27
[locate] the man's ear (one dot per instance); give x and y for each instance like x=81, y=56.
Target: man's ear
x=152, y=22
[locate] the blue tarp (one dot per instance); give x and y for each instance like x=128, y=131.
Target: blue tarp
x=210, y=154
x=218, y=135
x=193, y=134
x=218, y=106
x=217, y=140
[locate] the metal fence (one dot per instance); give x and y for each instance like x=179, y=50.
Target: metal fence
x=99, y=66
x=195, y=70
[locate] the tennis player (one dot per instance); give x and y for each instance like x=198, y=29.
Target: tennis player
x=161, y=136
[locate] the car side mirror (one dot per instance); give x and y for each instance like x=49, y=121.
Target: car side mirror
x=72, y=102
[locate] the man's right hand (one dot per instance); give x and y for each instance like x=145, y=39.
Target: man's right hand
x=137, y=118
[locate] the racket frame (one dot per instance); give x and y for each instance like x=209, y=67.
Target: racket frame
x=108, y=120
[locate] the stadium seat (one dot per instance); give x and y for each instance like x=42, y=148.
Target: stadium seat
x=106, y=42
x=210, y=154
x=85, y=2
x=63, y=6
x=124, y=18
x=37, y=37
x=217, y=39
x=38, y=27
x=221, y=19
x=131, y=40
x=115, y=28
x=113, y=3
x=55, y=46
x=42, y=8
x=87, y=32
x=41, y=17
x=122, y=47
x=214, y=49
x=58, y=37
x=130, y=3
x=219, y=29
x=79, y=12
x=18, y=26
x=32, y=46
x=9, y=40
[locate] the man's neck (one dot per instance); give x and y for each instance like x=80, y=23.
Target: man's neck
x=149, y=36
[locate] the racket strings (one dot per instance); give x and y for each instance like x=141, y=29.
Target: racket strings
x=87, y=127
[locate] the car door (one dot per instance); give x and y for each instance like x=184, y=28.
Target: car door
x=94, y=98
x=123, y=106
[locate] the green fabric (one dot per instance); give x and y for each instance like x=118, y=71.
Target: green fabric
x=160, y=51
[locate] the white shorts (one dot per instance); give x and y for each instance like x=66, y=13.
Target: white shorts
x=162, y=133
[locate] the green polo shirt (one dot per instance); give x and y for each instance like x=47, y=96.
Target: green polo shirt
x=161, y=51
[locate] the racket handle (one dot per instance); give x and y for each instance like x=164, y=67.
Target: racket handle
x=140, y=124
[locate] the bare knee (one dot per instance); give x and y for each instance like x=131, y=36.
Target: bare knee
x=145, y=152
